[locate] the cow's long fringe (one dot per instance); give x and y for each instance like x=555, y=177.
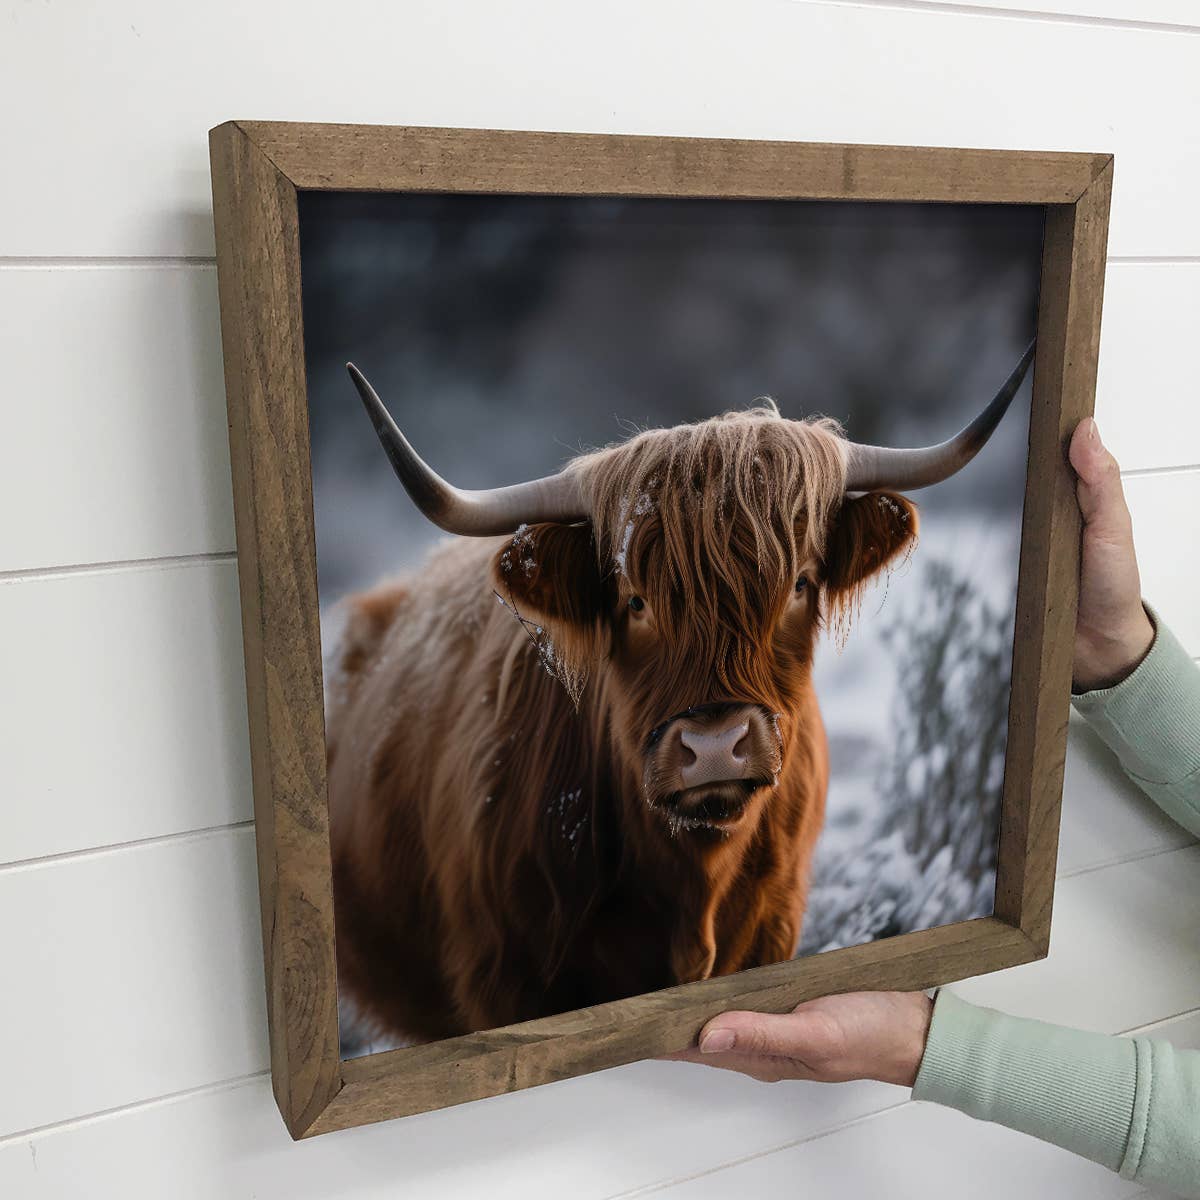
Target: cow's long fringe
x=715, y=519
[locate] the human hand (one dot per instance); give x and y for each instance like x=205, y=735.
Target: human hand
x=859, y=1035
x=1113, y=632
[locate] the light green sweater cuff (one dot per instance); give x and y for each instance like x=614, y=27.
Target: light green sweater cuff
x=1132, y=1104
x=1066, y=1086
x=1151, y=721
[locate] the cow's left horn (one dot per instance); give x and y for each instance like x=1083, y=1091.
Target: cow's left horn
x=870, y=468
x=478, y=514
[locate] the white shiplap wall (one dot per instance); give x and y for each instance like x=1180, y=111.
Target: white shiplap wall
x=132, y=1027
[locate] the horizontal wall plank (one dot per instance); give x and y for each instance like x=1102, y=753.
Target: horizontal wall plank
x=158, y=698
x=129, y=973
x=810, y=71
x=1182, y=1031
x=913, y=1153
x=1149, y=378
x=123, y=707
x=136, y=974
x=125, y=454
x=115, y=446
x=141, y=978
x=1105, y=817
x=1122, y=949
x=141, y=974
x=140, y=669
x=659, y=1121
x=1166, y=531
x=1167, y=12
x=586, y=1138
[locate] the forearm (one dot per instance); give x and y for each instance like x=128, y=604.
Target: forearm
x=1065, y=1086
x=1132, y=1105
x=1151, y=721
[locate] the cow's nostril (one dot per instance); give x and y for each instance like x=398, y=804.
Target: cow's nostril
x=743, y=745
x=687, y=755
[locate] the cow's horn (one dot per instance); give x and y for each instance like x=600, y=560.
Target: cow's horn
x=869, y=468
x=479, y=514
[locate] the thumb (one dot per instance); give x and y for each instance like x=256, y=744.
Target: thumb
x=1101, y=497
x=780, y=1036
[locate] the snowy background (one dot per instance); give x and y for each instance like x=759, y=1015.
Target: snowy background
x=508, y=333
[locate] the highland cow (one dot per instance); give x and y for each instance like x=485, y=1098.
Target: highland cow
x=578, y=755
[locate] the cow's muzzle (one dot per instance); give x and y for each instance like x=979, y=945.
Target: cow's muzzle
x=706, y=762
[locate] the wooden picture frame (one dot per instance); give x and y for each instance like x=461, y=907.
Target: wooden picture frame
x=257, y=170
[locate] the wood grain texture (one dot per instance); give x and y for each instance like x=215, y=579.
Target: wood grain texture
x=401, y=1082
x=257, y=168
x=1064, y=389
x=383, y=158
x=258, y=264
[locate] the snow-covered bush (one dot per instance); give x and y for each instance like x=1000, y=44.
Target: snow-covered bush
x=927, y=854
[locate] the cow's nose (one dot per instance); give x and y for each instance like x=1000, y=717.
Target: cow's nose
x=714, y=753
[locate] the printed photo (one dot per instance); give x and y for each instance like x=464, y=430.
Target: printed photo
x=667, y=554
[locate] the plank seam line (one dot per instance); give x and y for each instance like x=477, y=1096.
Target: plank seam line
x=167, y=561
x=1078, y=872
x=83, y=262
x=1146, y=472
x=237, y=1081
x=120, y=1110
x=187, y=835
x=1136, y=1029
x=662, y=1185
x=219, y=556
x=1153, y=260
x=1015, y=14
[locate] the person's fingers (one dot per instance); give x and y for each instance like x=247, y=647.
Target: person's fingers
x=1112, y=631
x=867, y=1035
x=803, y=1036
x=1101, y=497
x=764, y=1067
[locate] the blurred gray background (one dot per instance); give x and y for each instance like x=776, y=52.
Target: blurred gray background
x=506, y=333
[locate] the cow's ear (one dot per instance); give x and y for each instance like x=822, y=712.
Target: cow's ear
x=870, y=532
x=549, y=577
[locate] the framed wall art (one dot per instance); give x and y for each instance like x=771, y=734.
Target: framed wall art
x=658, y=564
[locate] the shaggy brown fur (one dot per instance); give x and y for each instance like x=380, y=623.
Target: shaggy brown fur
x=500, y=849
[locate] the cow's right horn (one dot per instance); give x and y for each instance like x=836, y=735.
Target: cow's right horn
x=478, y=513
x=871, y=468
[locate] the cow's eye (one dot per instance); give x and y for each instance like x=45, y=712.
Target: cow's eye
x=636, y=603
x=801, y=584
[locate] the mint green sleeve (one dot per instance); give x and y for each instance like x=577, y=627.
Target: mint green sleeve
x=1132, y=1104
x=1151, y=722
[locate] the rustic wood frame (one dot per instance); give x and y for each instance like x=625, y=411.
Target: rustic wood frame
x=257, y=170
